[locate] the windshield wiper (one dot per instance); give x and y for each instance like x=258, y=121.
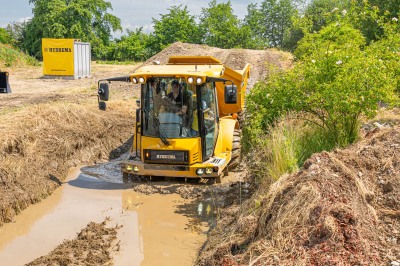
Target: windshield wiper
x=162, y=135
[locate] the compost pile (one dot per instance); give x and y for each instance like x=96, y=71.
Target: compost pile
x=341, y=208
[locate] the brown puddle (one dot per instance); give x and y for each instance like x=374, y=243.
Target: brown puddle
x=157, y=229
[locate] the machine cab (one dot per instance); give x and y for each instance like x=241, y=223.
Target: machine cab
x=173, y=108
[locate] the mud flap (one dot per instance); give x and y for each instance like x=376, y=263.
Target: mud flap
x=4, y=84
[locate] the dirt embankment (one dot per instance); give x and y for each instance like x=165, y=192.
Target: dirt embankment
x=48, y=126
x=341, y=208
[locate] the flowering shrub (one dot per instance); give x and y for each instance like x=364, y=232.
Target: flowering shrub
x=337, y=79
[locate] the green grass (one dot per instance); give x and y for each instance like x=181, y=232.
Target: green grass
x=286, y=146
x=10, y=57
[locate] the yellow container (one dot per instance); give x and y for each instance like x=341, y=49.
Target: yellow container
x=66, y=58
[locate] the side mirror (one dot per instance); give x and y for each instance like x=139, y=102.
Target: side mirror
x=230, y=94
x=103, y=91
x=102, y=106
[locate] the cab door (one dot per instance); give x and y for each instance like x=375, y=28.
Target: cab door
x=208, y=106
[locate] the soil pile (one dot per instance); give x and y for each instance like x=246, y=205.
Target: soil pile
x=91, y=247
x=260, y=60
x=342, y=208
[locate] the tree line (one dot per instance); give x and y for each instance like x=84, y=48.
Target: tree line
x=272, y=23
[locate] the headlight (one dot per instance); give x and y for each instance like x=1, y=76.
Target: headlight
x=129, y=168
x=134, y=80
x=135, y=169
x=141, y=80
x=199, y=80
x=209, y=171
x=200, y=171
x=190, y=80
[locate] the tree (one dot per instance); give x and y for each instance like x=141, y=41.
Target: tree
x=134, y=46
x=219, y=26
x=16, y=29
x=277, y=20
x=253, y=26
x=177, y=25
x=319, y=11
x=87, y=20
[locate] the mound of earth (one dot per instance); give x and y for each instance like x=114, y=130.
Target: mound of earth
x=92, y=246
x=342, y=208
x=260, y=60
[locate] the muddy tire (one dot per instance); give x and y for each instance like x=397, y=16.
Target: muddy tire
x=242, y=118
x=236, y=147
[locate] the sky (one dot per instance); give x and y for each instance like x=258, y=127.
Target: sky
x=133, y=13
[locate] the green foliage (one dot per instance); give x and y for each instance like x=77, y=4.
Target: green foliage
x=10, y=57
x=87, y=20
x=319, y=12
x=254, y=29
x=134, y=47
x=5, y=37
x=287, y=145
x=272, y=24
x=177, y=25
x=338, y=79
x=219, y=26
x=15, y=30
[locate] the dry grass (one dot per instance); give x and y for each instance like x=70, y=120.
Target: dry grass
x=332, y=212
x=40, y=143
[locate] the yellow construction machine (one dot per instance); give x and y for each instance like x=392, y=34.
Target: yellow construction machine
x=187, y=119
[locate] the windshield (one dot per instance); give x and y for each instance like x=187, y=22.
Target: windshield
x=170, y=108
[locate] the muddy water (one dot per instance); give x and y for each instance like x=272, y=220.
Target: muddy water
x=156, y=229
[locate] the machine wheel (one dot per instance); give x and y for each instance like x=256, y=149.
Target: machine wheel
x=235, y=150
x=242, y=118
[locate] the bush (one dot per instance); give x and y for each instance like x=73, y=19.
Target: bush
x=337, y=81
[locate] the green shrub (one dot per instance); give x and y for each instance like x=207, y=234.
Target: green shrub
x=337, y=81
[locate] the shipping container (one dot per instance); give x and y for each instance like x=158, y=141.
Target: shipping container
x=66, y=58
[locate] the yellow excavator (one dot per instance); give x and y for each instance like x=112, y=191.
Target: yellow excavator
x=187, y=120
